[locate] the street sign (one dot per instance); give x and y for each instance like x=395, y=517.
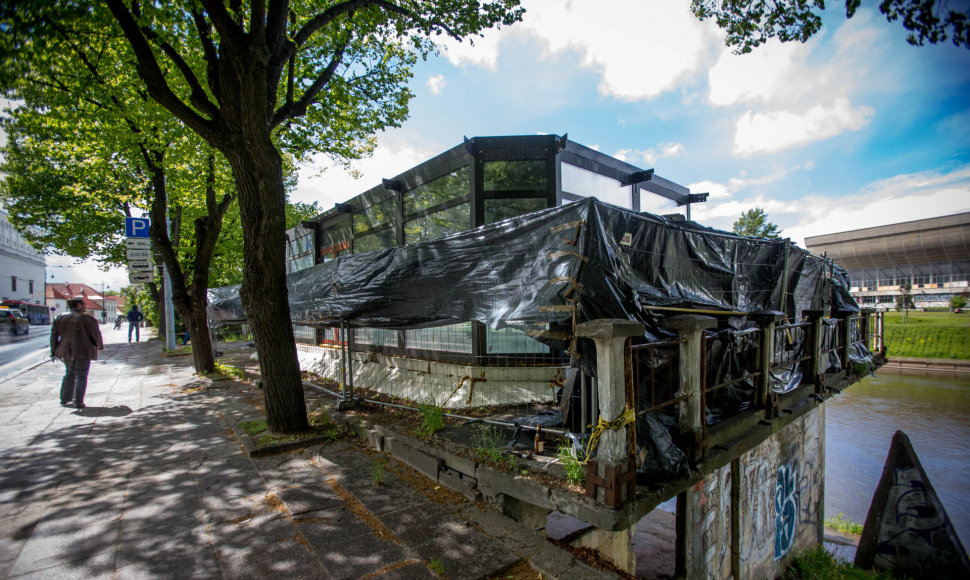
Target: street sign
x=139, y=255
x=138, y=243
x=136, y=227
x=139, y=266
x=140, y=277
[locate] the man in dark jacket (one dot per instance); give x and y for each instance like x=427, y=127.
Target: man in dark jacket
x=134, y=316
x=76, y=340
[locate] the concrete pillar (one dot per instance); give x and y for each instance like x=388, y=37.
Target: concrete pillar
x=690, y=328
x=765, y=397
x=845, y=336
x=616, y=547
x=812, y=374
x=614, y=390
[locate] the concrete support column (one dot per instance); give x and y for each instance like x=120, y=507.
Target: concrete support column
x=690, y=328
x=615, y=391
x=610, y=474
x=864, y=328
x=813, y=374
x=764, y=396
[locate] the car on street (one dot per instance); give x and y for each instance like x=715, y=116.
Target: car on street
x=13, y=322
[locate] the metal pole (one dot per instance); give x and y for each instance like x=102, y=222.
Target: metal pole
x=167, y=295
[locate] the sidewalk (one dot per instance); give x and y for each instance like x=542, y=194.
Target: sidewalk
x=149, y=482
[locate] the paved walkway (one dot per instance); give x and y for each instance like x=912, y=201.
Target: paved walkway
x=149, y=482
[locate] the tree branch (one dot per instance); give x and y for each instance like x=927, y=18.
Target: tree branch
x=209, y=53
x=299, y=108
x=155, y=81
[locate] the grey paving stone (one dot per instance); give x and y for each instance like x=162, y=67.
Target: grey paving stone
x=65, y=539
x=310, y=501
x=350, y=548
x=164, y=552
x=287, y=558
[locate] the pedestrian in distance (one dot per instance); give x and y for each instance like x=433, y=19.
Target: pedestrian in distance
x=119, y=320
x=134, y=316
x=76, y=340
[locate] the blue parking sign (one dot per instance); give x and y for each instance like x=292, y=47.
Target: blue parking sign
x=136, y=227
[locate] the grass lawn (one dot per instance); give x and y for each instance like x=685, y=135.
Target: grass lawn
x=928, y=335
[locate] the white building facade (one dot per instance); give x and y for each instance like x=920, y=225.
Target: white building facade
x=22, y=268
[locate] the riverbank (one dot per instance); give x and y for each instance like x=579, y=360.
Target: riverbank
x=921, y=367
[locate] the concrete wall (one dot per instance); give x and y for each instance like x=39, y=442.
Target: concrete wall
x=777, y=492
x=448, y=385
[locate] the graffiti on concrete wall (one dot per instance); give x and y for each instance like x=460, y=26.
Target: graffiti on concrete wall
x=780, y=496
x=786, y=508
x=711, y=522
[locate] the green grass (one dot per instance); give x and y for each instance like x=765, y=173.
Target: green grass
x=818, y=564
x=575, y=469
x=437, y=566
x=230, y=371
x=843, y=525
x=433, y=421
x=928, y=335
x=488, y=444
x=320, y=426
x=917, y=318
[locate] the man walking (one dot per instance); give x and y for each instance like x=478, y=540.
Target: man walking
x=134, y=316
x=76, y=340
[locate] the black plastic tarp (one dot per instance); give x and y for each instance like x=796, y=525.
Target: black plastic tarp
x=527, y=271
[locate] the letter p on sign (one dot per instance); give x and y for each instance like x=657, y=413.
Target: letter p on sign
x=136, y=227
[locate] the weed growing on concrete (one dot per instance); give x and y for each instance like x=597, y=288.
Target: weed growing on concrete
x=377, y=472
x=253, y=427
x=575, y=469
x=230, y=371
x=434, y=419
x=840, y=523
x=437, y=566
x=488, y=442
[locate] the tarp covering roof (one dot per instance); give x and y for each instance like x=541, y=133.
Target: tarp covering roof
x=587, y=259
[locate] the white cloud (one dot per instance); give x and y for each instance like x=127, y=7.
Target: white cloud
x=897, y=199
x=771, y=132
x=436, y=83
x=327, y=183
x=650, y=156
x=641, y=48
x=764, y=74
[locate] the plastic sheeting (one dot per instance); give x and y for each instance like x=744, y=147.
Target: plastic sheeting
x=532, y=270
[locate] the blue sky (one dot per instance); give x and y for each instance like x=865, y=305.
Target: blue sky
x=855, y=128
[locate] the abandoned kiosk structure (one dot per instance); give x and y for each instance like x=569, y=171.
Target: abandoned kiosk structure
x=518, y=275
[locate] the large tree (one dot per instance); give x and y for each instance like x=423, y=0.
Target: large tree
x=754, y=222
x=750, y=23
x=254, y=78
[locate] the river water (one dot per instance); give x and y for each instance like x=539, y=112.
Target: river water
x=859, y=426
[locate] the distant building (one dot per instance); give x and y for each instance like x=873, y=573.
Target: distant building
x=58, y=294
x=22, y=268
x=932, y=255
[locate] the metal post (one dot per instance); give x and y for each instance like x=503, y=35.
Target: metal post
x=169, y=314
x=813, y=374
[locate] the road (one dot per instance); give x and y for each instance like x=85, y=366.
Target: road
x=19, y=353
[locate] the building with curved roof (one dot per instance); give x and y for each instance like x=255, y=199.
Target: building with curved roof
x=932, y=255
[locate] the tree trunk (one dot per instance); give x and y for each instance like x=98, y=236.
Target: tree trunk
x=258, y=171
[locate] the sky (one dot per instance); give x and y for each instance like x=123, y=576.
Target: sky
x=854, y=128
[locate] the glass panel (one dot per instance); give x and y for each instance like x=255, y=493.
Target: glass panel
x=335, y=240
x=439, y=190
x=380, y=241
x=499, y=209
x=375, y=215
x=588, y=184
x=452, y=338
x=375, y=336
x=528, y=175
x=512, y=340
x=305, y=334
x=438, y=224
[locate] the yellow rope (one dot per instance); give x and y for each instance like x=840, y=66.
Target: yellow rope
x=628, y=416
